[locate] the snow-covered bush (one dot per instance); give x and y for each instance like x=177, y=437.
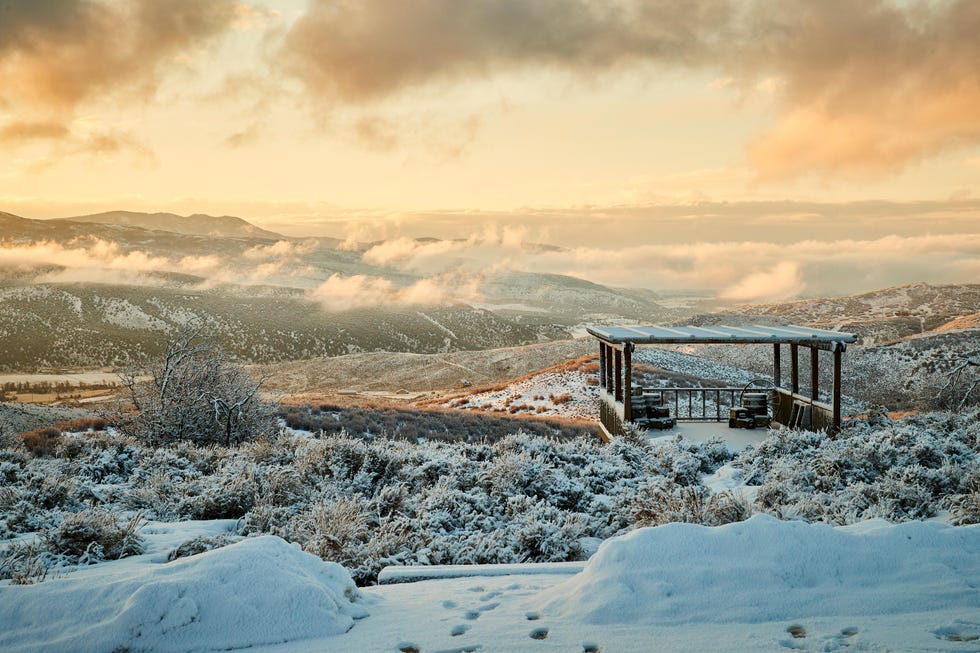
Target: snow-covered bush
x=94, y=535
x=194, y=391
x=906, y=469
x=663, y=503
x=370, y=502
x=201, y=544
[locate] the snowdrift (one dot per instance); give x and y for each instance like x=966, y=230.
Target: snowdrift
x=259, y=591
x=765, y=570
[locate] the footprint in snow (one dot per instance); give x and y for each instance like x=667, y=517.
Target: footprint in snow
x=472, y=615
x=591, y=647
x=459, y=629
x=850, y=631
x=490, y=595
x=477, y=588
x=449, y=605
x=408, y=647
x=532, y=616
x=539, y=633
x=488, y=607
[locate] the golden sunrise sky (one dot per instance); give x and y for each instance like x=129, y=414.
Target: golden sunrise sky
x=578, y=119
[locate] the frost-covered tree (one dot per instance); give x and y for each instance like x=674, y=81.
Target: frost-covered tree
x=194, y=391
x=957, y=387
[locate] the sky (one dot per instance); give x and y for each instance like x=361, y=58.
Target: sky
x=584, y=123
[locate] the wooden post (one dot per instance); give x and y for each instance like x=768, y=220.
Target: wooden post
x=619, y=374
x=628, y=381
x=777, y=372
x=814, y=374
x=602, y=365
x=610, y=382
x=835, y=429
x=794, y=370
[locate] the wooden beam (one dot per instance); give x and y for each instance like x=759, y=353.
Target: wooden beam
x=814, y=374
x=619, y=375
x=777, y=371
x=835, y=429
x=794, y=370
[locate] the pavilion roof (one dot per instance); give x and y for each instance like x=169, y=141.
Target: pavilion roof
x=721, y=334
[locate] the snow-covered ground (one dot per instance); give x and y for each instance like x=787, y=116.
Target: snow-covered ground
x=831, y=575
x=568, y=394
x=758, y=585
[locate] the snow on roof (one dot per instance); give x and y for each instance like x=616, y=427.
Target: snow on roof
x=720, y=334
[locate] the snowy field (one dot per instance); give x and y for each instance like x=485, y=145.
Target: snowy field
x=758, y=585
x=866, y=542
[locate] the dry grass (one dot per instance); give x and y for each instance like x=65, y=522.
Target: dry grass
x=93, y=535
x=964, y=509
x=23, y=564
x=656, y=505
x=41, y=442
x=203, y=543
x=82, y=424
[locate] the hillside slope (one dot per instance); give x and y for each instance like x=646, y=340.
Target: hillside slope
x=876, y=316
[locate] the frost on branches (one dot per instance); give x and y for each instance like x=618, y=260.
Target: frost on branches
x=370, y=503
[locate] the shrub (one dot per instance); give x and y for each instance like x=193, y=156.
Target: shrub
x=965, y=508
x=41, y=442
x=94, y=535
x=201, y=544
x=82, y=424
x=195, y=392
x=660, y=503
x=23, y=563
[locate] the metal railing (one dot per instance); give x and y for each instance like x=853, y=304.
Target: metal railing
x=714, y=405
x=700, y=404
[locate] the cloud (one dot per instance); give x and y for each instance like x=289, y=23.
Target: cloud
x=24, y=131
x=858, y=88
x=867, y=87
x=57, y=55
x=367, y=49
x=104, y=261
x=738, y=271
x=783, y=281
x=340, y=293
x=282, y=250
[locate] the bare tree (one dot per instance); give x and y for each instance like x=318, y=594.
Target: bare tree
x=195, y=392
x=961, y=381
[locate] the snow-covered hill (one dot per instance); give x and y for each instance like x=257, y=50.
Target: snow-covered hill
x=880, y=315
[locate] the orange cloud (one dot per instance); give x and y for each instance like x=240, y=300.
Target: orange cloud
x=858, y=87
x=54, y=56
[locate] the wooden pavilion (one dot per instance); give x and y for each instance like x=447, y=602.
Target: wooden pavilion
x=790, y=407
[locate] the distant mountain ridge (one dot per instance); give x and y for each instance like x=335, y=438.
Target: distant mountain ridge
x=198, y=224
x=877, y=316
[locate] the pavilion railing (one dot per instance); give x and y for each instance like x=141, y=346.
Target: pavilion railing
x=714, y=404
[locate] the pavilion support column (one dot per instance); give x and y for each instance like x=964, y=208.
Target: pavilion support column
x=814, y=374
x=777, y=371
x=619, y=374
x=794, y=370
x=838, y=350
x=602, y=365
x=610, y=384
x=628, y=381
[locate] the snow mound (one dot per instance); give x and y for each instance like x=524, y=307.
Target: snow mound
x=258, y=591
x=684, y=574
